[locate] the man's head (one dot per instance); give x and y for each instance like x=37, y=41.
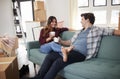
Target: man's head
x=88, y=17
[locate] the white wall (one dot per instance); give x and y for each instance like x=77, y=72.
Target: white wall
x=6, y=18
x=58, y=8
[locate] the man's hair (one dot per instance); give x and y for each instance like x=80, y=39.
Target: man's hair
x=89, y=16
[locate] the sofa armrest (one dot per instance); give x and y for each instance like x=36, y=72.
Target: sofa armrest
x=32, y=45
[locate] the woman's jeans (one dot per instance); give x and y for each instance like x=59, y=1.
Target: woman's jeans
x=53, y=63
x=51, y=46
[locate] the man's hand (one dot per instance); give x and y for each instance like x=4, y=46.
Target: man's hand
x=117, y=32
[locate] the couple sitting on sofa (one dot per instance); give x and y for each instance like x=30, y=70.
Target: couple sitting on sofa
x=85, y=43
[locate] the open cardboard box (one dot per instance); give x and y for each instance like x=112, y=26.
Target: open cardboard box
x=2, y=54
x=9, y=68
x=8, y=45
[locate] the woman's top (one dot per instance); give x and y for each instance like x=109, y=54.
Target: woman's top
x=58, y=31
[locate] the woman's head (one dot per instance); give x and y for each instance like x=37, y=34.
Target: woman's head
x=52, y=21
x=51, y=24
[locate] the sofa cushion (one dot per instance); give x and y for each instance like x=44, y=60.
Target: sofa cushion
x=110, y=48
x=36, y=56
x=95, y=69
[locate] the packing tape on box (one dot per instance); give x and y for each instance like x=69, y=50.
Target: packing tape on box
x=5, y=62
x=10, y=62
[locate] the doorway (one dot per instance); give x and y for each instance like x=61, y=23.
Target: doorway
x=26, y=9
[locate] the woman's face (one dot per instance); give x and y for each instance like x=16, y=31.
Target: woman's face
x=53, y=23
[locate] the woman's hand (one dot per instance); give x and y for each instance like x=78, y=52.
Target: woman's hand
x=49, y=38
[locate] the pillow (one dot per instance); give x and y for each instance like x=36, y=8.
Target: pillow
x=60, y=24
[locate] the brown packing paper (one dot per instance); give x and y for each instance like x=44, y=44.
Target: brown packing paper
x=40, y=15
x=39, y=5
x=8, y=45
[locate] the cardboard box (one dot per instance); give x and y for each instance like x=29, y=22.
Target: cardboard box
x=40, y=15
x=39, y=5
x=3, y=54
x=119, y=22
x=9, y=68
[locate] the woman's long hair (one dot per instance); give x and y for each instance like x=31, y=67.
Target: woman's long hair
x=48, y=27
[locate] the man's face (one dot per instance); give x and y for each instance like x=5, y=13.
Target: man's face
x=83, y=21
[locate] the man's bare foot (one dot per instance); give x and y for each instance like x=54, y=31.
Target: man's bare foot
x=64, y=52
x=69, y=48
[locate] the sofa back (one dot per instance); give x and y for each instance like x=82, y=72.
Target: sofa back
x=110, y=48
x=66, y=35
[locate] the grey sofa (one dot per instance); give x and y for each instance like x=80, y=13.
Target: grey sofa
x=105, y=66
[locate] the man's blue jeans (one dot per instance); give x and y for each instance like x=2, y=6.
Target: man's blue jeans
x=51, y=46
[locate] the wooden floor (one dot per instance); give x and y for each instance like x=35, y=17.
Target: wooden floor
x=23, y=59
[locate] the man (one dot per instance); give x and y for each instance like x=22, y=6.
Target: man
x=85, y=42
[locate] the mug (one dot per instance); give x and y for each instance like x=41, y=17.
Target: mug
x=56, y=39
x=52, y=33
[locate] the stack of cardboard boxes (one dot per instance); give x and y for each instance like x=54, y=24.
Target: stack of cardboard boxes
x=39, y=11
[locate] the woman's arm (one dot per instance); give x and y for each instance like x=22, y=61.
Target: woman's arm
x=44, y=39
x=41, y=38
x=50, y=38
x=71, y=29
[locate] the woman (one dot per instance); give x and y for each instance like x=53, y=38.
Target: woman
x=47, y=35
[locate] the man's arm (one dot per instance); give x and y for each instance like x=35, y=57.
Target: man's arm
x=117, y=32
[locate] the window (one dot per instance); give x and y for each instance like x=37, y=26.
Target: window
x=106, y=15
x=114, y=16
x=99, y=3
x=115, y=2
x=83, y=3
x=100, y=17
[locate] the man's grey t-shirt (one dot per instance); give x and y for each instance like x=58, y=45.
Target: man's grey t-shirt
x=80, y=43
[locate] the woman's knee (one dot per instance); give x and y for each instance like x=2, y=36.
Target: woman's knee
x=52, y=43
